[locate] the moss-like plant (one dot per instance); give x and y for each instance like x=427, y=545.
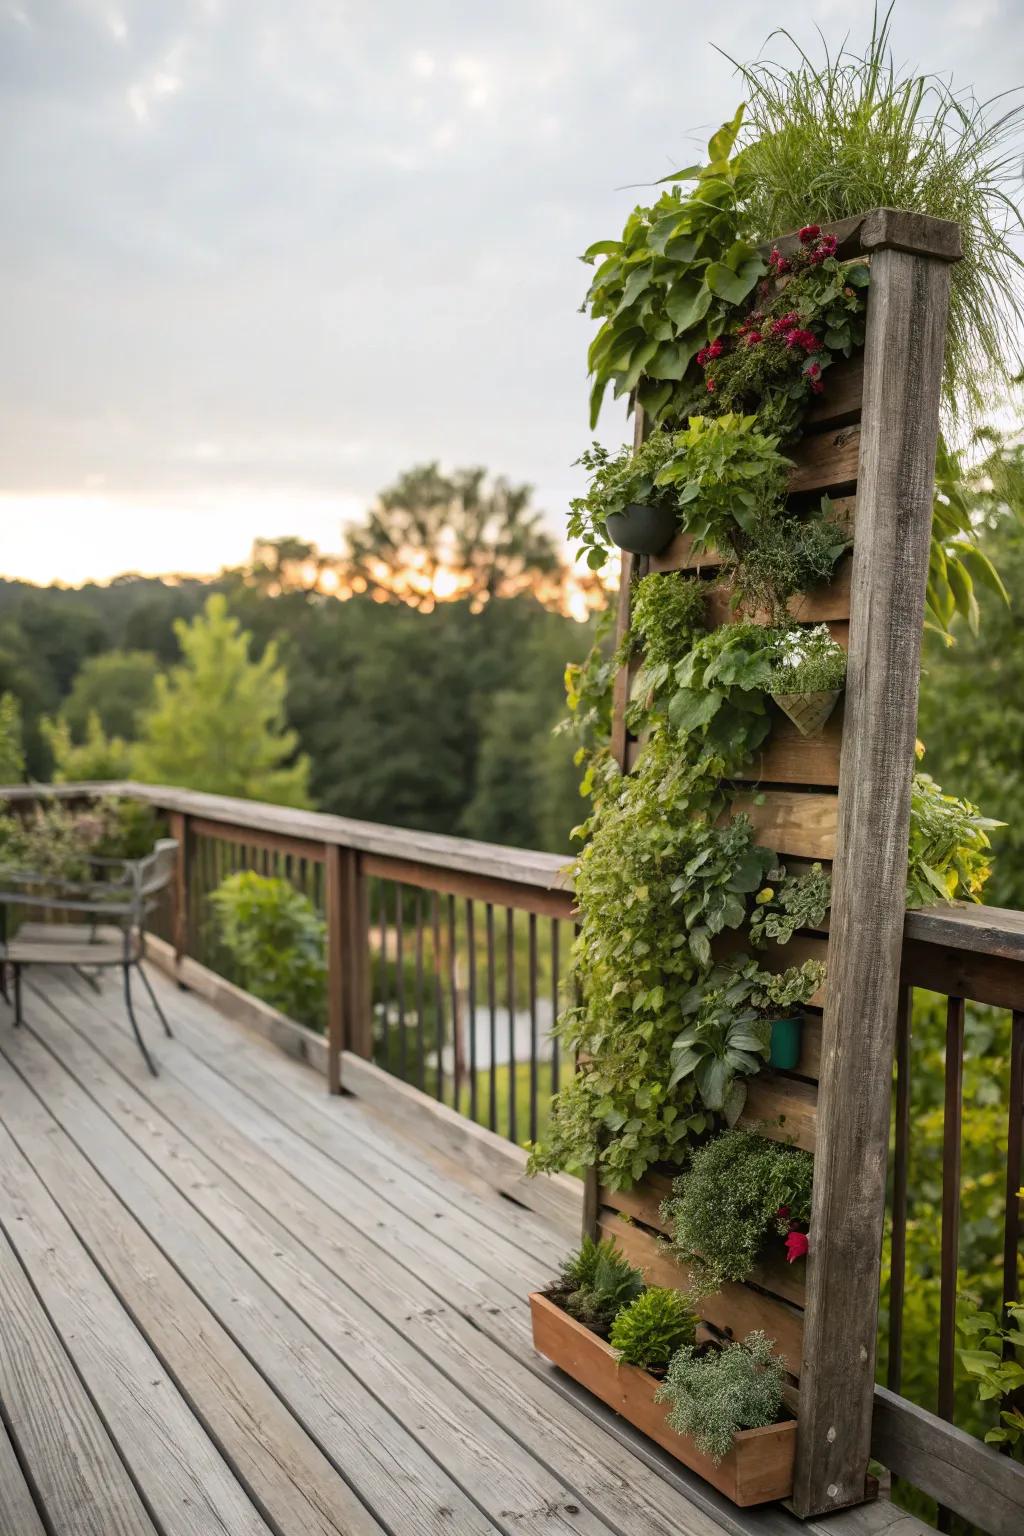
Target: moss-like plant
x=739, y=1192
x=668, y=612
x=648, y=1332
x=716, y=1393
x=596, y=1283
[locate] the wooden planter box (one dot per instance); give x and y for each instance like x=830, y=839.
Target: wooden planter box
x=758, y=1469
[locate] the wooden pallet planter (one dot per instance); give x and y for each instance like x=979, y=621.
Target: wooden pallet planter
x=758, y=1469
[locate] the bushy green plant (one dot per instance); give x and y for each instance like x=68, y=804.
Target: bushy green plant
x=596, y=1283
x=648, y=1332
x=714, y=1394
x=783, y=554
x=739, y=1191
x=831, y=139
x=785, y=990
x=807, y=661
x=788, y=902
x=275, y=941
x=616, y=481
x=668, y=612
x=126, y=828
x=50, y=841
x=949, y=855
x=724, y=1042
x=984, y=1359
x=725, y=470
x=668, y=286
x=718, y=699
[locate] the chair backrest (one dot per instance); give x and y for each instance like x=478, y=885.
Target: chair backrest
x=155, y=872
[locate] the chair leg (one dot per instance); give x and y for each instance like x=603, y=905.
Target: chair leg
x=18, y=1016
x=89, y=977
x=3, y=982
x=134, y=1021
x=152, y=997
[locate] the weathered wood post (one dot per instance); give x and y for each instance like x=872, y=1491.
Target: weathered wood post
x=181, y=832
x=346, y=914
x=906, y=327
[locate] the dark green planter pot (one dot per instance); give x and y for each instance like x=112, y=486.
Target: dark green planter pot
x=640, y=529
x=786, y=1037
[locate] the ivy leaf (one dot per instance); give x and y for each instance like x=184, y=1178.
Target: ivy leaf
x=727, y=284
x=688, y=302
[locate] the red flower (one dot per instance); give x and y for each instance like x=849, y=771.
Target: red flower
x=783, y=1211
x=796, y=1246
x=752, y=339
x=809, y=232
x=777, y=263
x=813, y=370
x=702, y=357
x=785, y=323
x=711, y=386
x=804, y=339
x=717, y=347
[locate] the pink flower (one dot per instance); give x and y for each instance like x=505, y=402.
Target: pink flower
x=711, y=386
x=717, y=347
x=785, y=323
x=702, y=357
x=777, y=263
x=809, y=232
x=752, y=338
x=796, y=1246
x=783, y=1212
x=813, y=370
x=804, y=339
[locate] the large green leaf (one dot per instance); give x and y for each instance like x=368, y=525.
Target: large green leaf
x=687, y=303
x=727, y=284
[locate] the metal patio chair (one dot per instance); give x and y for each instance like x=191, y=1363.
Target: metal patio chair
x=112, y=907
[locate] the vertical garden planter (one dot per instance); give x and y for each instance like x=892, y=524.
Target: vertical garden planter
x=758, y=1469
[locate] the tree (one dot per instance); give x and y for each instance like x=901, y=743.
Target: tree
x=218, y=722
x=117, y=687
x=434, y=536
x=98, y=757
x=12, y=754
x=286, y=565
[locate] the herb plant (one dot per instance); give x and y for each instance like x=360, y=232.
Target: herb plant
x=807, y=661
x=715, y=1393
x=775, y=991
x=783, y=554
x=648, y=1332
x=616, y=481
x=668, y=613
x=726, y=470
x=739, y=1192
x=596, y=1283
x=788, y=902
x=991, y=1357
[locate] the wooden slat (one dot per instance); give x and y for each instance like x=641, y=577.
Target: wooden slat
x=60, y=1435
x=272, y=842
x=789, y=758
x=823, y=605
x=188, y=1487
x=479, y=887
x=996, y=931
x=844, y=391
x=783, y=1109
x=885, y=229
x=734, y=1310
x=679, y=555
x=826, y=460
x=903, y=369
x=292, y=1480
x=788, y=822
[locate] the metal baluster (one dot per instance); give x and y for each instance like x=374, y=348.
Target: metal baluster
x=556, y=1067
x=492, y=1007
x=420, y=1025
x=471, y=952
x=898, y=1247
x=533, y=1026
x=400, y=984
x=439, y=1030
x=1014, y=1168
x=510, y=986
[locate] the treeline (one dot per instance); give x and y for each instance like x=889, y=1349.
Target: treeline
x=438, y=719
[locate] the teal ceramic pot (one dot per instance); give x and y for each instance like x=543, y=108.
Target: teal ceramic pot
x=786, y=1035
x=640, y=529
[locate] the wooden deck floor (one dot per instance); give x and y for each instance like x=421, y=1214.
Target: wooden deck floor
x=229, y=1304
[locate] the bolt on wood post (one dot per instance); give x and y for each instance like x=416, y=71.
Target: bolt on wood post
x=906, y=328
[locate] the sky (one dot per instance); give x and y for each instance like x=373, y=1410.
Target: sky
x=259, y=256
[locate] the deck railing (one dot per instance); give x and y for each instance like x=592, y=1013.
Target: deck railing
x=447, y=962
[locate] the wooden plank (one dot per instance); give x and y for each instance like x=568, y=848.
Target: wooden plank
x=334, y=919
x=187, y=1486
x=789, y=758
x=266, y=842
x=362, y=1438
x=903, y=369
x=734, y=1310
x=822, y=605
x=80, y=1480
x=273, y=1458
x=955, y=1468
x=844, y=391
x=179, y=829
x=958, y=973
x=637, y=1500
x=792, y=823
x=885, y=229
x=996, y=931
x=18, y=1513
x=826, y=461
x=680, y=556
x=783, y=1109
x=480, y=887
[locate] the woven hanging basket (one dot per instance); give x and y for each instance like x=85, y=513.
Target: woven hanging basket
x=808, y=711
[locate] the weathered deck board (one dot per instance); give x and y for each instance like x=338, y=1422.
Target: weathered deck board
x=18, y=1510
x=341, y=1322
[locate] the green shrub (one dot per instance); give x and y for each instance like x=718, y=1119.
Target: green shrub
x=739, y=1191
x=648, y=1332
x=714, y=1394
x=275, y=941
x=596, y=1283
x=949, y=854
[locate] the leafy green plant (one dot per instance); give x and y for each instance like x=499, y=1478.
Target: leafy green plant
x=648, y=1332
x=949, y=854
x=832, y=139
x=983, y=1359
x=776, y=991
x=275, y=941
x=788, y=902
x=739, y=1193
x=616, y=481
x=715, y=1392
x=668, y=612
x=596, y=1283
x=719, y=694
x=126, y=828
x=784, y=553
x=49, y=841
x=807, y=661
x=724, y=1042
x=726, y=470
x=668, y=286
